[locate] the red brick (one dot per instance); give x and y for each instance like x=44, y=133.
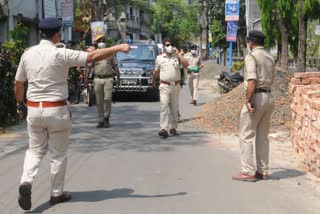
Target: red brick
x=304, y=75
x=315, y=105
x=313, y=94
x=300, y=81
x=314, y=80
x=316, y=125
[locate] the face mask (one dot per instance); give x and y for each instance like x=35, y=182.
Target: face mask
x=89, y=64
x=169, y=49
x=193, y=52
x=101, y=45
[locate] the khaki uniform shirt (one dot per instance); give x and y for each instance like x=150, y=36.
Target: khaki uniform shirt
x=194, y=60
x=104, y=67
x=259, y=66
x=46, y=68
x=169, y=67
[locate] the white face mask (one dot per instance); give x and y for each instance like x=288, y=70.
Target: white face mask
x=169, y=49
x=89, y=64
x=101, y=45
x=193, y=52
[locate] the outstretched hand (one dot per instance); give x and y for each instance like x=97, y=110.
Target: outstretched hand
x=125, y=48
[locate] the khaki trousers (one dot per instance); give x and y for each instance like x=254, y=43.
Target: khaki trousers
x=254, y=131
x=169, y=106
x=193, y=82
x=48, y=128
x=103, y=91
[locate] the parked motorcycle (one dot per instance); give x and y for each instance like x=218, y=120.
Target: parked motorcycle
x=228, y=80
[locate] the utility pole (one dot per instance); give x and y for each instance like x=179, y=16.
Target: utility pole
x=204, y=29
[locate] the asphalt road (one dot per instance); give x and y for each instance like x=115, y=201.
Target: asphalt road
x=128, y=169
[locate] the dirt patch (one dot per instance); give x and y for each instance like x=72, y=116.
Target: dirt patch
x=222, y=116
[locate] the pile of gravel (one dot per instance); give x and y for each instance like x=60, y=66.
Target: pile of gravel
x=222, y=116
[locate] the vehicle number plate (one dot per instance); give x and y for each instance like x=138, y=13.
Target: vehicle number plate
x=128, y=82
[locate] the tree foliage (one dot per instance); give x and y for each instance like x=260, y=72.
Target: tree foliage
x=10, y=54
x=176, y=20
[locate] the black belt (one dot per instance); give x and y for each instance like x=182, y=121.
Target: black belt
x=262, y=90
x=104, y=76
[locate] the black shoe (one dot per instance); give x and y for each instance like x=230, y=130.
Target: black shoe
x=194, y=102
x=163, y=134
x=261, y=176
x=174, y=132
x=24, y=200
x=100, y=125
x=106, y=123
x=66, y=196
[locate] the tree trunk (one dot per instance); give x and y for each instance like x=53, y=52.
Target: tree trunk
x=302, y=48
x=279, y=53
x=238, y=45
x=284, y=44
x=122, y=29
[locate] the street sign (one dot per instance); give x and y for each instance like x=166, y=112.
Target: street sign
x=232, y=10
x=232, y=29
x=318, y=30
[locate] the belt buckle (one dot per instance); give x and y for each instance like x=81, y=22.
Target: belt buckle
x=172, y=83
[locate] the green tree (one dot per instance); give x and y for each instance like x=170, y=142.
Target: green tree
x=10, y=54
x=279, y=22
x=176, y=20
x=307, y=9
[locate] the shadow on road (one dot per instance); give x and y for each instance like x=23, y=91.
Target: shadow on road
x=285, y=174
x=102, y=195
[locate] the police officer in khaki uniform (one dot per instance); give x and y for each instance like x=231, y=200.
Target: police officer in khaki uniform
x=194, y=73
x=256, y=113
x=46, y=67
x=103, y=82
x=168, y=68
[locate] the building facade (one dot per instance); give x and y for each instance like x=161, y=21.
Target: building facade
x=253, y=15
x=133, y=23
x=30, y=12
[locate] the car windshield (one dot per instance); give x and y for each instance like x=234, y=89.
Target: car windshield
x=138, y=53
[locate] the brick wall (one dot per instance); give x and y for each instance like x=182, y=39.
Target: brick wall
x=305, y=92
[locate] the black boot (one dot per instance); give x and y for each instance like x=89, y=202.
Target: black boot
x=106, y=123
x=100, y=125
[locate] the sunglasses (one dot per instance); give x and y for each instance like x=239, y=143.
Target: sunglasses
x=167, y=45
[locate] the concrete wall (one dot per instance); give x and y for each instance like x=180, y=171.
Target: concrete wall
x=252, y=14
x=305, y=92
x=28, y=12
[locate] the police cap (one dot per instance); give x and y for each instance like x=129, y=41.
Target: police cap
x=49, y=26
x=256, y=36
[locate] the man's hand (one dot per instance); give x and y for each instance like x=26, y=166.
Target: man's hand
x=125, y=48
x=154, y=85
x=22, y=111
x=250, y=107
x=176, y=51
x=118, y=82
